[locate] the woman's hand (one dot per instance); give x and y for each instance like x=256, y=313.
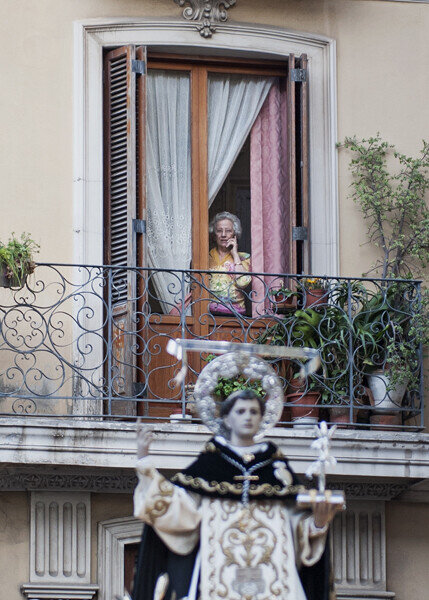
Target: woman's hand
x=232, y=245
x=324, y=512
x=144, y=439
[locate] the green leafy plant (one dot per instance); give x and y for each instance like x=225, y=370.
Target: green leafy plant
x=390, y=189
x=227, y=386
x=16, y=258
x=282, y=293
x=392, y=203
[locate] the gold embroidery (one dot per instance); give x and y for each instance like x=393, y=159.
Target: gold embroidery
x=210, y=447
x=248, y=544
x=160, y=501
x=224, y=487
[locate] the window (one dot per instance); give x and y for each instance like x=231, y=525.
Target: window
x=178, y=149
x=185, y=138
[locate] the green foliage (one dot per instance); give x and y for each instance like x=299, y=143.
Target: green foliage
x=393, y=204
x=17, y=257
x=226, y=386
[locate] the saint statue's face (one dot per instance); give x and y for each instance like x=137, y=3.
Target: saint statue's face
x=224, y=231
x=244, y=419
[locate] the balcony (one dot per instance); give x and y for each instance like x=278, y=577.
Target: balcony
x=89, y=342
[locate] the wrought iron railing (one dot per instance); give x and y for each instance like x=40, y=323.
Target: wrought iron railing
x=89, y=341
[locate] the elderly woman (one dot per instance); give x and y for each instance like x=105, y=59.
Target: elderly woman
x=225, y=259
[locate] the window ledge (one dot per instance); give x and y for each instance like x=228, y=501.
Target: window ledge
x=102, y=445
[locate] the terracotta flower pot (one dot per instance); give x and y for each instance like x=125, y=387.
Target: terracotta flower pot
x=315, y=297
x=386, y=422
x=340, y=415
x=307, y=414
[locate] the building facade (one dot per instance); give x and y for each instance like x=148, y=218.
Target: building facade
x=77, y=116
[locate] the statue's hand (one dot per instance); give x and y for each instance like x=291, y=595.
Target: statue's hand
x=144, y=439
x=324, y=512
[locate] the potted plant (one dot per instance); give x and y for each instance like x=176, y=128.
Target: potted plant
x=283, y=299
x=314, y=291
x=393, y=204
x=304, y=402
x=16, y=260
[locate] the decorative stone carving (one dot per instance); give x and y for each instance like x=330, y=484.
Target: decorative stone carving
x=91, y=482
x=370, y=491
x=207, y=13
x=60, y=536
x=358, y=538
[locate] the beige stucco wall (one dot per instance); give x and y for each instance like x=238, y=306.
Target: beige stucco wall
x=383, y=85
x=14, y=543
x=103, y=508
x=407, y=538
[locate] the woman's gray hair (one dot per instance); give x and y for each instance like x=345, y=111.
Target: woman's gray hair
x=236, y=223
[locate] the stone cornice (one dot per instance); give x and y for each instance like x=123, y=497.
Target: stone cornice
x=69, y=479
x=112, y=445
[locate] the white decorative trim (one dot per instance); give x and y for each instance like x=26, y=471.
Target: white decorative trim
x=241, y=39
x=206, y=13
x=113, y=536
x=71, y=591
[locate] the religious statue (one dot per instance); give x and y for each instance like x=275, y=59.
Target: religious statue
x=228, y=527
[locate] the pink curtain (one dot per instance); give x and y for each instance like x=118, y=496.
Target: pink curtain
x=269, y=194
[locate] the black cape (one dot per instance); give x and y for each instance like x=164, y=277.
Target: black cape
x=212, y=474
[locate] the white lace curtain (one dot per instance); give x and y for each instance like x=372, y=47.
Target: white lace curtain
x=234, y=104
x=168, y=162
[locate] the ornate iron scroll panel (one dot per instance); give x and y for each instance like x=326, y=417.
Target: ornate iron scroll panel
x=65, y=351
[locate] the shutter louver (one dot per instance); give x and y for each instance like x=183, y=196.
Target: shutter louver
x=120, y=114
x=120, y=106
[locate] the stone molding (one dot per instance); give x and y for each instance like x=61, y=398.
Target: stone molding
x=370, y=490
x=60, y=538
x=91, y=482
x=358, y=538
x=113, y=536
x=364, y=595
x=108, y=446
x=206, y=13
x=125, y=482
x=71, y=591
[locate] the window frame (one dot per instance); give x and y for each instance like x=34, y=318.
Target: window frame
x=199, y=70
x=253, y=42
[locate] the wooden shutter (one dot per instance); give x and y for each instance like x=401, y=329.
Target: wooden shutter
x=299, y=163
x=121, y=69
